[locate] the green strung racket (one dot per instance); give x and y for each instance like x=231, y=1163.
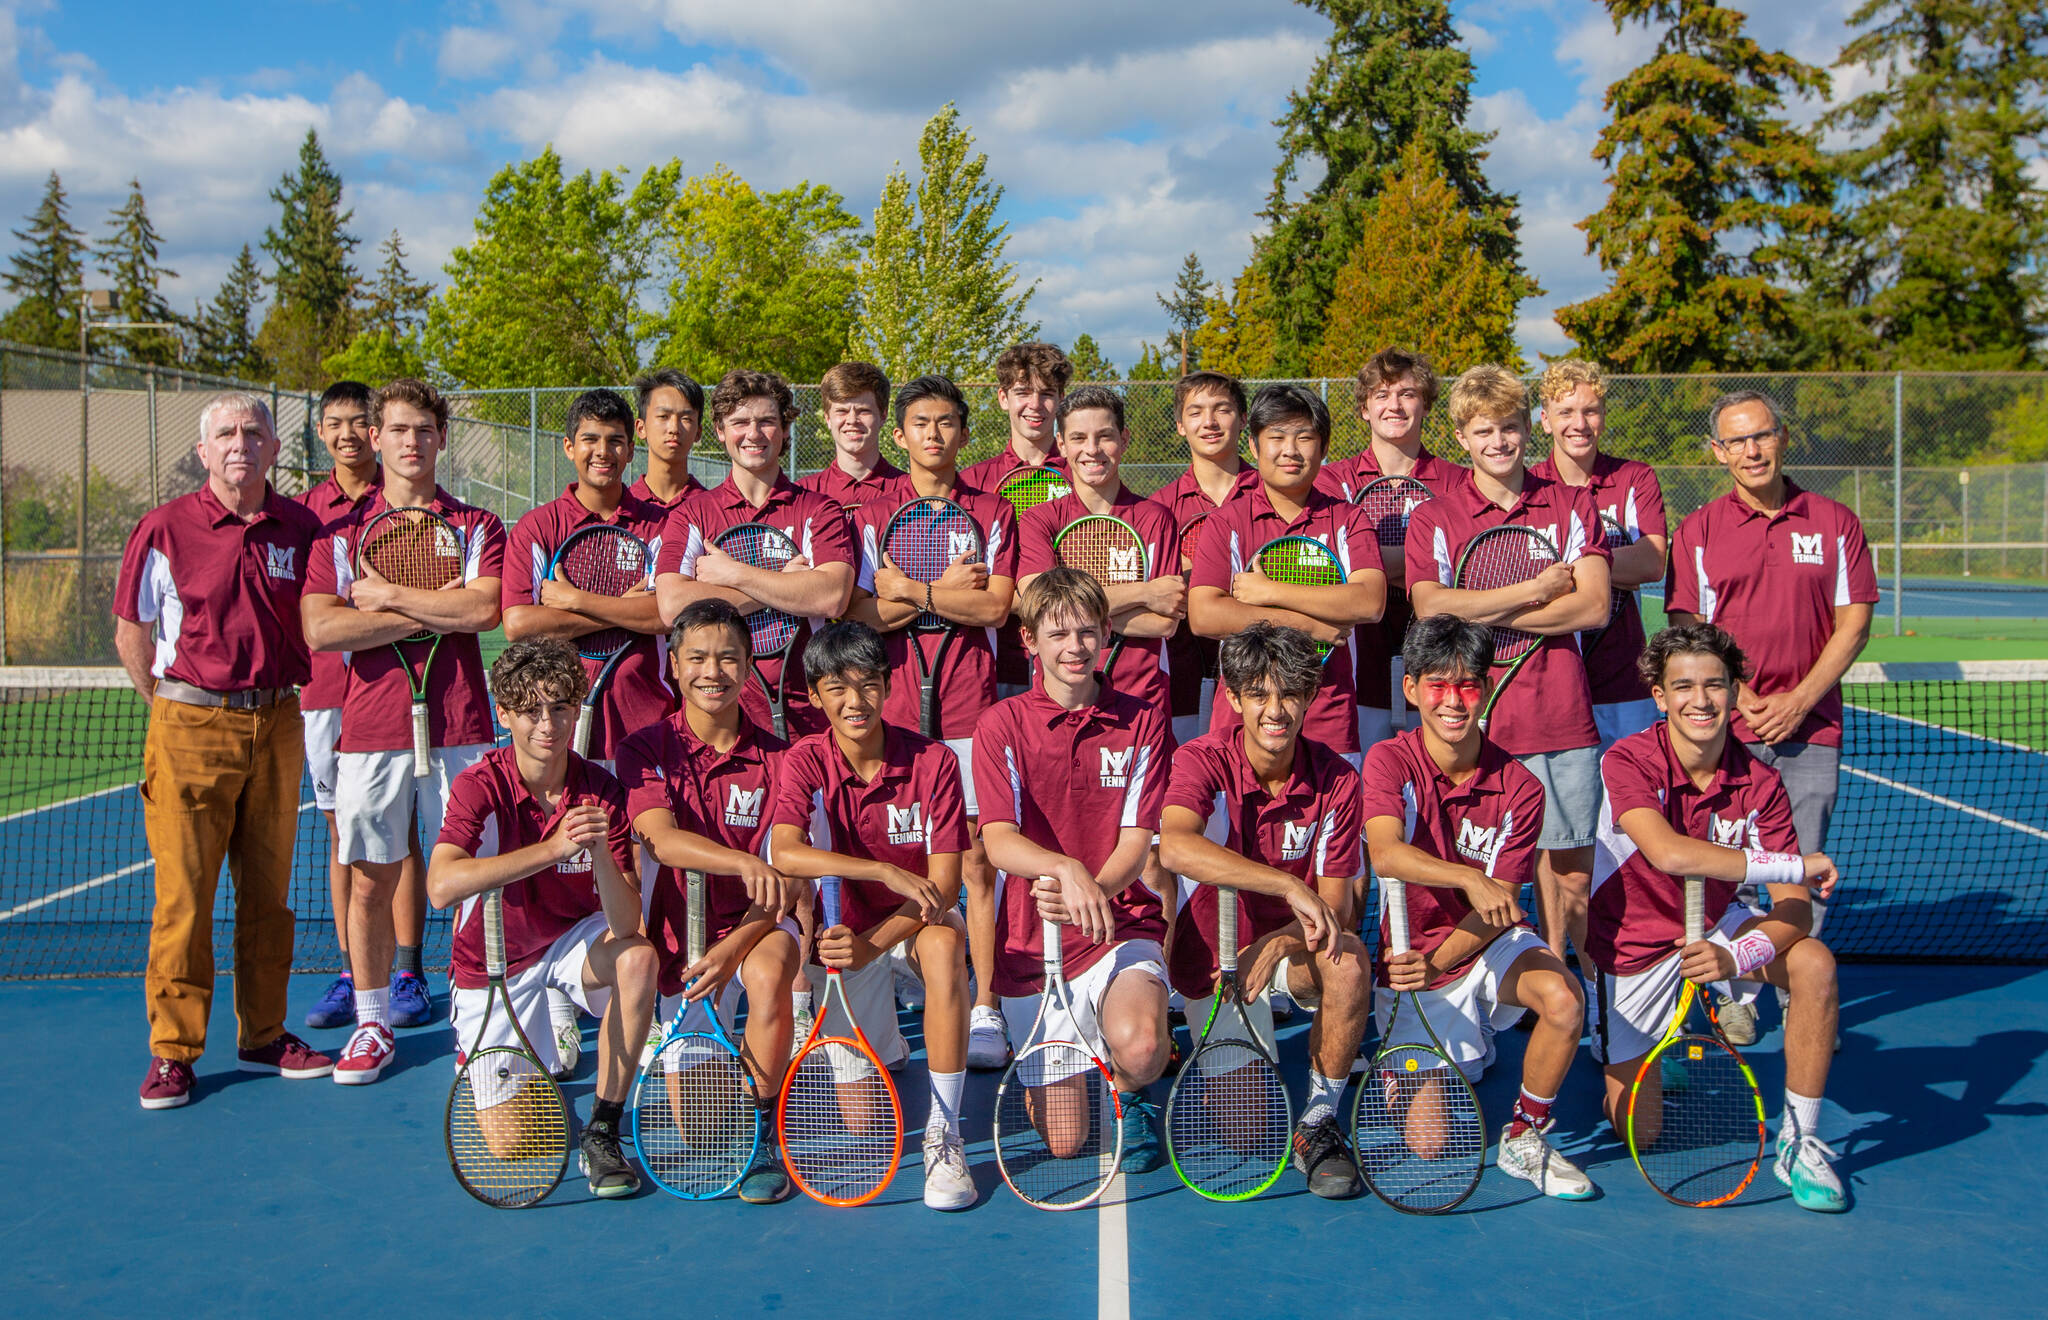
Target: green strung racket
x=1027, y=488
x=1304, y=562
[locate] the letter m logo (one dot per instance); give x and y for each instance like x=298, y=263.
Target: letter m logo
x=1806, y=545
x=904, y=820
x=744, y=802
x=1124, y=566
x=1476, y=840
x=1731, y=833
x=1115, y=763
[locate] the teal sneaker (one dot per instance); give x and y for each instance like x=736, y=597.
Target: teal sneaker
x=766, y=1182
x=1671, y=1072
x=1805, y=1165
x=1142, y=1152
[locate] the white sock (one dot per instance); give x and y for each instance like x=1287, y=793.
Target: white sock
x=946, y=1091
x=1323, y=1095
x=373, y=1005
x=800, y=1000
x=1803, y=1112
x=561, y=1010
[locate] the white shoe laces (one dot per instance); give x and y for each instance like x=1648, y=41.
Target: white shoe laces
x=365, y=1040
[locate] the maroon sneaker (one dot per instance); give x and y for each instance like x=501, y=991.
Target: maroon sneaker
x=167, y=1085
x=288, y=1057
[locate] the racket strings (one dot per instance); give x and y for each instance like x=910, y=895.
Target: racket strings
x=1387, y=503
x=1302, y=562
x=1504, y=559
x=1105, y=550
x=1229, y=1123
x=770, y=630
x=421, y=552
x=1694, y=1123
x=922, y=541
x=1056, y=1127
x=508, y=1129
x=695, y=1123
x=1420, y=1139
x=841, y=1128
x=605, y=564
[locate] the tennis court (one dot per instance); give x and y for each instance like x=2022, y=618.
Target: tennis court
x=303, y=1195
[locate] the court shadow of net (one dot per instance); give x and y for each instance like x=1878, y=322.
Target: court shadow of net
x=1912, y=1099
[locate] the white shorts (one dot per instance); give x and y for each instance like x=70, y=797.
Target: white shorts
x=1142, y=957
x=872, y=992
x=1627, y=1015
x=963, y=752
x=377, y=801
x=1618, y=719
x=323, y=729
x=729, y=997
x=1465, y=1013
x=1259, y=1012
x=561, y=968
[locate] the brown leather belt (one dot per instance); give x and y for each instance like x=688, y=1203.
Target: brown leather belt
x=185, y=694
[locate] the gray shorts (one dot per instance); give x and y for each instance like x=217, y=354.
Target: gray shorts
x=1571, y=795
x=1812, y=774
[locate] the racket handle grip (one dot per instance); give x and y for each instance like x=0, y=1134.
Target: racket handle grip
x=1049, y=938
x=422, y=761
x=585, y=717
x=1397, y=915
x=494, y=932
x=1695, y=909
x=694, y=896
x=828, y=900
x=1226, y=928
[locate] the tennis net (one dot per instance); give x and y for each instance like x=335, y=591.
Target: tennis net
x=1941, y=828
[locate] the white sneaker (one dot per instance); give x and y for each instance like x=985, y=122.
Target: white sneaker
x=1738, y=1021
x=1805, y=1165
x=1530, y=1157
x=988, y=1044
x=947, y=1183
x=568, y=1049
x=909, y=990
x=1283, y=1006
x=801, y=1018
x=656, y=1032
x=1361, y=1062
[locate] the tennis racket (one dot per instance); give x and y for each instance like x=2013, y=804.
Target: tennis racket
x=1110, y=551
x=922, y=541
x=1389, y=502
x=1059, y=1123
x=1502, y=557
x=1614, y=536
x=413, y=547
x=604, y=560
x=1027, y=488
x=772, y=632
x=1416, y=1125
x=695, y=1123
x=1695, y=1116
x=1303, y=561
x=1228, y=1119
x=507, y=1128
x=840, y=1121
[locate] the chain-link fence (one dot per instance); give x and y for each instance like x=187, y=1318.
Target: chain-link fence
x=1948, y=472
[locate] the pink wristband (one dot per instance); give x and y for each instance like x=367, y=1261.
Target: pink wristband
x=1753, y=949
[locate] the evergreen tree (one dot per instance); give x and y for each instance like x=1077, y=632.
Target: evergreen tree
x=226, y=327
x=1151, y=363
x=310, y=250
x=46, y=275
x=128, y=257
x=1393, y=72
x=1089, y=364
x=1186, y=310
x=396, y=301
x=935, y=293
x=1241, y=335
x=1710, y=192
x=1934, y=264
x=393, y=317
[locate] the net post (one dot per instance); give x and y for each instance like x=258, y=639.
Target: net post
x=1898, y=503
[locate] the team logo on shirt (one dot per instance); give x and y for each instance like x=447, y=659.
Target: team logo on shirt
x=906, y=824
x=743, y=806
x=1477, y=842
x=1124, y=565
x=960, y=543
x=278, y=561
x=1549, y=531
x=445, y=544
x=1733, y=833
x=1294, y=840
x=1806, y=549
x=580, y=864
x=1116, y=767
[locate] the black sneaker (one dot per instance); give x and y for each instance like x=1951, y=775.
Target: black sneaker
x=609, y=1173
x=1324, y=1158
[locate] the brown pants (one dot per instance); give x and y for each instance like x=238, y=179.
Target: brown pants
x=220, y=784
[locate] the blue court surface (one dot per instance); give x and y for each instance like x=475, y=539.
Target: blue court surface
x=308, y=1199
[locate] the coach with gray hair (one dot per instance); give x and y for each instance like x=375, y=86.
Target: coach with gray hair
x=206, y=621
x=1789, y=574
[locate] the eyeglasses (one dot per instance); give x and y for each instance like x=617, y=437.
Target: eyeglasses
x=1468, y=688
x=1754, y=438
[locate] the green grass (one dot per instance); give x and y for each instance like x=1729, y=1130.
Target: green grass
x=1931, y=639
x=67, y=745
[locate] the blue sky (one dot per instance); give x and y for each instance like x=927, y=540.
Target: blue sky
x=1126, y=134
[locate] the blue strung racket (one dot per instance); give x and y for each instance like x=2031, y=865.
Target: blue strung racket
x=922, y=541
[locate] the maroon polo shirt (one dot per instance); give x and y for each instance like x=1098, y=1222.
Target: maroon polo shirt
x=967, y=683
x=1774, y=581
x=1141, y=668
x=1311, y=829
x=490, y=812
x=641, y=491
x=1013, y=663
x=376, y=705
x=1626, y=491
x=1638, y=911
x=640, y=691
x=723, y=796
x=817, y=526
x=1069, y=781
x=330, y=504
x=222, y=593
x=850, y=493
x=1489, y=822
x=911, y=809
x=1549, y=707
x=1231, y=539
x=1190, y=659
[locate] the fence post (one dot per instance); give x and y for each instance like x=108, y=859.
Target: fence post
x=3, y=518
x=155, y=498
x=532, y=446
x=1898, y=502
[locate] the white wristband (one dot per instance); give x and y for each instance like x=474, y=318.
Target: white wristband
x=1770, y=868
x=1753, y=949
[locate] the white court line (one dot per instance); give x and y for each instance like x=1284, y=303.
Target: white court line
x=67, y=802
x=1113, y=1254
x=1949, y=802
x=1949, y=729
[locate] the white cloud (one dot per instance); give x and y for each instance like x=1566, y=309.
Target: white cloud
x=473, y=52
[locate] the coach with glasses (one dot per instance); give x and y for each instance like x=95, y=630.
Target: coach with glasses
x=206, y=621
x=1789, y=574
